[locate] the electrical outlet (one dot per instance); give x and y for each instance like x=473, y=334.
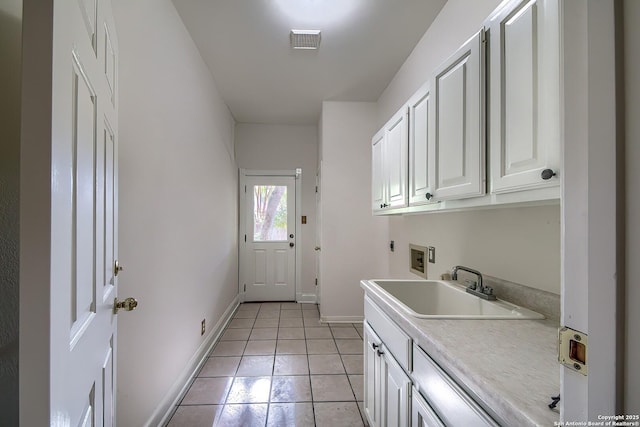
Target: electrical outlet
x=202, y=327
x=432, y=254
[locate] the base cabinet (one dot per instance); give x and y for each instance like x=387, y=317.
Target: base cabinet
x=416, y=392
x=421, y=413
x=387, y=387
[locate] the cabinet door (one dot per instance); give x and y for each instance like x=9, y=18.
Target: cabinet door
x=372, y=345
x=395, y=392
x=419, y=181
x=378, y=198
x=395, y=159
x=525, y=95
x=421, y=413
x=457, y=155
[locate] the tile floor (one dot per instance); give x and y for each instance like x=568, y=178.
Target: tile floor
x=277, y=365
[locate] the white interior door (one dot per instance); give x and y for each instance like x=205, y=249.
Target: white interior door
x=318, y=247
x=269, y=255
x=81, y=244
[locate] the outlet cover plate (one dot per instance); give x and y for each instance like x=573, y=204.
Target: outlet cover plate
x=432, y=254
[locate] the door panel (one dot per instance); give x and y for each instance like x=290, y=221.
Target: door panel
x=451, y=124
x=524, y=116
x=457, y=154
x=378, y=196
x=268, y=256
x=371, y=361
x=419, y=177
x=396, y=160
x=108, y=375
x=108, y=202
x=396, y=392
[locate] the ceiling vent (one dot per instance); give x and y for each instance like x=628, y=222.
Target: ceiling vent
x=305, y=39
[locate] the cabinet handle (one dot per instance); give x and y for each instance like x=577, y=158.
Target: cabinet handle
x=380, y=353
x=374, y=345
x=547, y=174
x=428, y=196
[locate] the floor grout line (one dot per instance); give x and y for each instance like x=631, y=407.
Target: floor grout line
x=307, y=323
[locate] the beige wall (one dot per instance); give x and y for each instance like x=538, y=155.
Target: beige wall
x=457, y=21
x=632, y=155
x=10, y=45
x=280, y=147
x=177, y=205
x=520, y=245
x=352, y=240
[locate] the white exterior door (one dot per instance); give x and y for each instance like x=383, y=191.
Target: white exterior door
x=268, y=258
x=77, y=383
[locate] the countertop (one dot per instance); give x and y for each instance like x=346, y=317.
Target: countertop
x=509, y=367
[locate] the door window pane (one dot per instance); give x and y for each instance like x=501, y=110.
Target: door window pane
x=269, y=213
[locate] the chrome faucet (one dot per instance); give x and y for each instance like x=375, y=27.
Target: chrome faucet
x=475, y=288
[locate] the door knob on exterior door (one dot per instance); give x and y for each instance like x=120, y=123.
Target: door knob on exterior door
x=128, y=304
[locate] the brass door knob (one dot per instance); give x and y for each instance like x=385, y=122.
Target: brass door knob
x=117, y=267
x=128, y=304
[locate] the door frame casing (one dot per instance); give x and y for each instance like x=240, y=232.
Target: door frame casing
x=242, y=231
x=592, y=251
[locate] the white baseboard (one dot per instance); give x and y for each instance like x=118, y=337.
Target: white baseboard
x=341, y=319
x=164, y=410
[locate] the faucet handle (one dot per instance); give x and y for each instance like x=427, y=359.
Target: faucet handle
x=488, y=290
x=471, y=284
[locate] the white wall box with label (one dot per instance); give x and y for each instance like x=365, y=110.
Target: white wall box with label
x=524, y=115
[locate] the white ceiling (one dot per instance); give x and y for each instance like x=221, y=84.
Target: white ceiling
x=245, y=43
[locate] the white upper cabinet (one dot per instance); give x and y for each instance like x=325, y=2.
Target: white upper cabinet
x=396, y=139
x=420, y=190
x=524, y=115
x=377, y=171
x=389, y=164
x=456, y=124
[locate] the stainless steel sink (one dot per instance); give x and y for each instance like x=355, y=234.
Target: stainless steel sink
x=438, y=299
